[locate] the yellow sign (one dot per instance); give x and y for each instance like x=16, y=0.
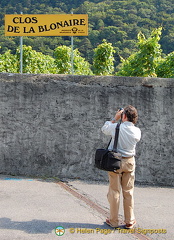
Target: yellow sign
x=46, y=25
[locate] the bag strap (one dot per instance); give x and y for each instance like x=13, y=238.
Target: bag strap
x=116, y=138
x=109, y=143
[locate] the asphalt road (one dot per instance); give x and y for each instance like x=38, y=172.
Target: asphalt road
x=37, y=209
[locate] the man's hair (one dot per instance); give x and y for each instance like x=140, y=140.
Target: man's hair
x=131, y=113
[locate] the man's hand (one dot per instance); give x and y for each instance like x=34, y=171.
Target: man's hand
x=117, y=115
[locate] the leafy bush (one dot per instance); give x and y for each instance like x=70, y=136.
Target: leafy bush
x=144, y=62
x=62, y=56
x=103, y=63
x=165, y=69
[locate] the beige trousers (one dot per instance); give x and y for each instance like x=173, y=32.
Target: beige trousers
x=122, y=179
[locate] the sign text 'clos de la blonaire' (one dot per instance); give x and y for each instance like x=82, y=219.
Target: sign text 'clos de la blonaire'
x=46, y=25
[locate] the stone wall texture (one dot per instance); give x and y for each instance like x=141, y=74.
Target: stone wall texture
x=50, y=125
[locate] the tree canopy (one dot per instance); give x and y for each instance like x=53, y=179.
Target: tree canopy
x=118, y=22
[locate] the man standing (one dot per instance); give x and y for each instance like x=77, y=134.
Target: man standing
x=123, y=178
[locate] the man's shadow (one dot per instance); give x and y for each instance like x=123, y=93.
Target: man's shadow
x=44, y=227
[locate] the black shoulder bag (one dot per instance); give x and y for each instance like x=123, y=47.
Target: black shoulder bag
x=109, y=160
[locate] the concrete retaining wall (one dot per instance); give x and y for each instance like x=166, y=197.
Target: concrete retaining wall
x=50, y=124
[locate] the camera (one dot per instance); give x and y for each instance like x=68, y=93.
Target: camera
x=120, y=109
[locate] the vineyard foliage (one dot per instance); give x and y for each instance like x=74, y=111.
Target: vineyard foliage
x=146, y=62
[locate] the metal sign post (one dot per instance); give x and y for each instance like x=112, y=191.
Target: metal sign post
x=72, y=54
x=21, y=53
